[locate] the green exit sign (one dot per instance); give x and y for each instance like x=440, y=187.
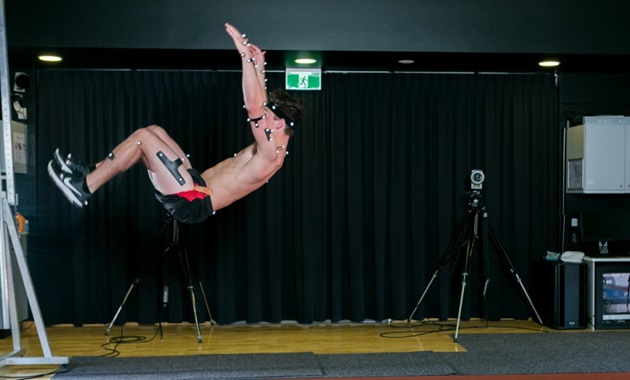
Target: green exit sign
x=303, y=79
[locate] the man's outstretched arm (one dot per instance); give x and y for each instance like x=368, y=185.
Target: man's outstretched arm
x=254, y=92
x=259, y=65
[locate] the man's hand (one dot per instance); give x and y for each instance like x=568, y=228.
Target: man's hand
x=242, y=43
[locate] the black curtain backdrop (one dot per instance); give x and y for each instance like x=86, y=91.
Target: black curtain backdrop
x=352, y=228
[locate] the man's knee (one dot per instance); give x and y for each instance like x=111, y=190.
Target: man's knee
x=151, y=132
x=155, y=129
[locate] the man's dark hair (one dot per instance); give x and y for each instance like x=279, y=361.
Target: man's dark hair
x=291, y=106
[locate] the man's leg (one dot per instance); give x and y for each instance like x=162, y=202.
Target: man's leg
x=168, y=140
x=146, y=144
x=149, y=146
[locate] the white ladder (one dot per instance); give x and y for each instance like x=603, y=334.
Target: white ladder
x=9, y=236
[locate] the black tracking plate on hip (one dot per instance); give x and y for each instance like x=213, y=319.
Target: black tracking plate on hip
x=172, y=167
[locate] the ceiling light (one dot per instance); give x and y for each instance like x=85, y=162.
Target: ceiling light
x=305, y=61
x=407, y=61
x=49, y=58
x=549, y=63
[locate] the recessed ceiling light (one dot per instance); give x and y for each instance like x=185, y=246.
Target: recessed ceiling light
x=49, y=58
x=549, y=63
x=406, y=61
x=305, y=61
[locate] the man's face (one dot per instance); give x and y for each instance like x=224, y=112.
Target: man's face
x=274, y=119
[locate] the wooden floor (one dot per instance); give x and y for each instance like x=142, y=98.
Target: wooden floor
x=182, y=339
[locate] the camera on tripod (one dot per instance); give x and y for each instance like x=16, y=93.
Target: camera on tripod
x=477, y=233
x=476, y=184
x=476, y=179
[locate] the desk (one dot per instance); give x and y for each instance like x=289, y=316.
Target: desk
x=593, y=263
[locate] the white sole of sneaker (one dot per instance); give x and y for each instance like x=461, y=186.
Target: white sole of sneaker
x=59, y=183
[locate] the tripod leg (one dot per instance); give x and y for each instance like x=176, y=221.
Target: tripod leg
x=165, y=293
x=435, y=274
x=508, y=264
x=518, y=279
x=183, y=256
x=486, y=258
x=469, y=251
x=449, y=253
x=183, y=260
x=133, y=284
x=163, y=309
x=194, y=307
x=461, y=303
x=205, y=302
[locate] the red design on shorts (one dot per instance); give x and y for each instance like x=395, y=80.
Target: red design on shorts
x=191, y=195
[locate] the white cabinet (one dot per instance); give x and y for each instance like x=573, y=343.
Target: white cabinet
x=598, y=155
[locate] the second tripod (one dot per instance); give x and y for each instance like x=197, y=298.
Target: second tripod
x=174, y=247
x=474, y=225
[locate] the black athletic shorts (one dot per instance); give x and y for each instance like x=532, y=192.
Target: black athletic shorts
x=184, y=210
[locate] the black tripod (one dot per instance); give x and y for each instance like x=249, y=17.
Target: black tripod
x=469, y=224
x=180, y=249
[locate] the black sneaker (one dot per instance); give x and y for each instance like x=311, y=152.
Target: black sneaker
x=70, y=184
x=68, y=166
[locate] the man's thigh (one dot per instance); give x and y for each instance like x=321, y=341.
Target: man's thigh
x=167, y=172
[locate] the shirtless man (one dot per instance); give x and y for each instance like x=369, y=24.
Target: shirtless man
x=188, y=196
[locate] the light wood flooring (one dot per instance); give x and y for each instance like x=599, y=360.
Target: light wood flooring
x=182, y=339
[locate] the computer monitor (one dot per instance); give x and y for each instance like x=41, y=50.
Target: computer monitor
x=609, y=228
x=612, y=299
x=605, y=225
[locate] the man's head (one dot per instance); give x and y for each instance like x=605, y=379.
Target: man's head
x=288, y=108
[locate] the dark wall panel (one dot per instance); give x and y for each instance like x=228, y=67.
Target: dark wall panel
x=536, y=26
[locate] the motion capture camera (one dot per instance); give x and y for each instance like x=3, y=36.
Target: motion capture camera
x=476, y=179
